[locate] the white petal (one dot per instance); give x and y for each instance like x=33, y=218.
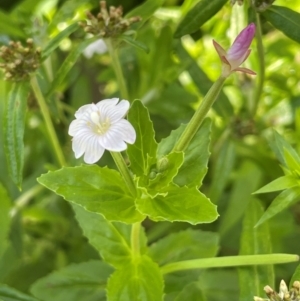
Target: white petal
x=125, y=130
x=111, y=102
x=82, y=110
x=98, y=46
x=112, y=141
x=113, y=111
x=93, y=151
x=80, y=142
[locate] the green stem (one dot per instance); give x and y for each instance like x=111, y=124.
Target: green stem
x=113, y=51
x=49, y=125
x=228, y=261
x=135, y=239
x=261, y=64
x=122, y=166
x=196, y=121
x=135, y=230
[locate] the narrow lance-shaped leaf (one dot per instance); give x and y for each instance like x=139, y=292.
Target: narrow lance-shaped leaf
x=145, y=145
x=198, y=15
x=110, y=239
x=254, y=242
x=68, y=63
x=285, y=20
x=13, y=128
x=281, y=183
x=140, y=45
x=285, y=199
x=83, y=280
x=99, y=190
x=54, y=42
x=138, y=279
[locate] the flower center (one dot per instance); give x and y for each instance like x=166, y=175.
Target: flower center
x=99, y=126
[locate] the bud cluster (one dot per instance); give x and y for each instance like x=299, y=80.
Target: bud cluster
x=19, y=61
x=107, y=24
x=284, y=294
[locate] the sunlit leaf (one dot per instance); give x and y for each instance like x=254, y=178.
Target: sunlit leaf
x=99, y=190
x=138, y=279
x=83, y=280
x=285, y=199
x=179, y=204
x=285, y=20
x=281, y=183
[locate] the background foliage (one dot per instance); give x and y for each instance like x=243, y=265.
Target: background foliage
x=48, y=252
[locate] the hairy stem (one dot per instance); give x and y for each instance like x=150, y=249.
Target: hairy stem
x=196, y=121
x=49, y=125
x=117, y=68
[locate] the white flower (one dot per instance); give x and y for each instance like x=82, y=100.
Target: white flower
x=98, y=47
x=101, y=126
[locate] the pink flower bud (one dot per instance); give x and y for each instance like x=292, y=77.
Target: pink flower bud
x=238, y=52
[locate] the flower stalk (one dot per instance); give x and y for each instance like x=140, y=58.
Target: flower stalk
x=196, y=121
x=49, y=125
x=117, y=68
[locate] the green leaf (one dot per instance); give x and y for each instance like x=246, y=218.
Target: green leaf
x=86, y=280
x=194, y=166
x=5, y=205
x=191, y=292
x=13, y=128
x=296, y=276
x=222, y=105
x=281, y=183
x=254, y=241
x=285, y=199
x=135, y=43
x=168, y=167
x=224, y=163
x=281, y=147
x=67, y=65
x=139, y=279
x=97, y=189
x=182, y=204
x=145, y=145
x=198, y=15
x=10, y=294
x=8, y=26
x=145, y=10
x=112, y=240
x=285, y=20
x=184, y=245
x=54, y=42
x=247, y=180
